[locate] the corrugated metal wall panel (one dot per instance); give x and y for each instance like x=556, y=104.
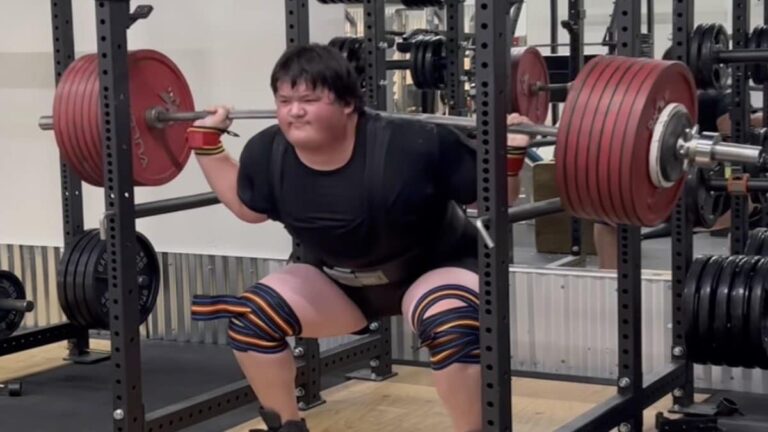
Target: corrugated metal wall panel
x=563, y=320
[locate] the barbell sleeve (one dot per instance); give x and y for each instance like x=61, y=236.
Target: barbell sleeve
x=17, y=305
x=736, y=153
x=45, y=123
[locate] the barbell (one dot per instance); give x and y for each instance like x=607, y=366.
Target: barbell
x=625, y=138
x=13, y=303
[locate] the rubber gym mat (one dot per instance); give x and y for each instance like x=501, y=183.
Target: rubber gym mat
x=79, y=397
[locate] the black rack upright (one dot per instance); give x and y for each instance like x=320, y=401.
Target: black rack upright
x=454, y=50
x=682, y=228
x=492, y=43
x=740, y=124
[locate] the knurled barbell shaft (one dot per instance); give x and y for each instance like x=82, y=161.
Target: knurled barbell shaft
x=16, y=305
x=743, y=55
x=158, y=117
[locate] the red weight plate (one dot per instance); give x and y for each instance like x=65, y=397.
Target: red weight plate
x=62, y=124
x=567, y=161
x=606, y=124
x=564, y=154
x=76, y=126
x=670, y=82
x=620, y=173
x=578, y=139
x=93, y=119
x=592, y=125
x=528, y=68
x=159, y=154
x=79, y=98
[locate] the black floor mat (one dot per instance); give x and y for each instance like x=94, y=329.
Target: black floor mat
x=79, y=397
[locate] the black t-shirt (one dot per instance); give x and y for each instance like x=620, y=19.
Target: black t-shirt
x=426, y=167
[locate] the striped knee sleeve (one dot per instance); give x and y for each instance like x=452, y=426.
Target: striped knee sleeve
x=452, y=336
x=259, y=319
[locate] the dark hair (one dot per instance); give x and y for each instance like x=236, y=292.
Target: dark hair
x=319, y=66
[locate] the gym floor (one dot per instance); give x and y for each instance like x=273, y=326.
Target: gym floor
x=63, y=397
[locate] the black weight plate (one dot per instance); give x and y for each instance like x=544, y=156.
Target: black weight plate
x=762, y=242
x=719, y=334
x=422, y=56
x=11, y=287
x=762, y=69
x=694, y=46
x=148, y=281
x=691, y=298
x=754, y=242
x=736, y=354
x=438, y=62
x=62, y=288
x=428, y=73
x=702, y=205
x=753, y=42
x=414, y=67
x=757, y=309
x=755, y=292
x=67, y=296
x=706, y=62
x=720, y=71
x=76, y=280
x=83, y=290
x=356, y=55
x=704, y=312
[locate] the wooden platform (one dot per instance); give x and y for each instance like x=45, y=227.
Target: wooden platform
x=407, y=402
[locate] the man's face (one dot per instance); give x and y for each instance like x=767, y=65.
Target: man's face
x=309, y=116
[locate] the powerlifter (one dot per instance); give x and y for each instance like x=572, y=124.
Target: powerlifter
x=375, y=205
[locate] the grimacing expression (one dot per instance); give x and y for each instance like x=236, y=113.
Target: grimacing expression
x=310, y=116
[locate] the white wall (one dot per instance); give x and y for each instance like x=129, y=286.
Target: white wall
x=226, y=50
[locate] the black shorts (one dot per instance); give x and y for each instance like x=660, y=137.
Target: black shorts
x=381, y=301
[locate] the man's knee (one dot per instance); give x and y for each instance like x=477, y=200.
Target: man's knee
x=451, y=335
x=259, y=319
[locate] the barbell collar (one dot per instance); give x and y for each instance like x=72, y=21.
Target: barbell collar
x=18, y=305
x=757, y=55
